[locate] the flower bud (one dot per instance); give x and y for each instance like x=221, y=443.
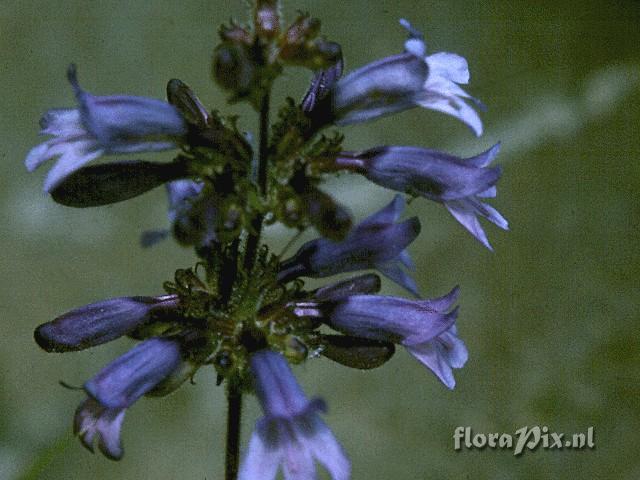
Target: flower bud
x=233, y=69
x=182, y=97
x=235, y=34
x=101, y=322
x=267, y=18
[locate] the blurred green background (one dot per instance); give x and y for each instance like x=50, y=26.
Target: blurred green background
x=550, y=318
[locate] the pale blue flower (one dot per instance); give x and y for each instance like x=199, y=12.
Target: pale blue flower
x=397, y=83
x=103, y=125
x=459, y=184
x=291, y=434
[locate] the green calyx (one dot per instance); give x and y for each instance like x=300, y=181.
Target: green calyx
x=224, y=332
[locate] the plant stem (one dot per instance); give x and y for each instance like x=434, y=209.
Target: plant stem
x=234, y=415
x=254, y=238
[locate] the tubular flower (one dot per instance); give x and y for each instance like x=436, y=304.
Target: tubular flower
x=291, y=434
x=102, y=125
x=241, y=309
x=118, y=386
x=377, y=242
x=100, y=322
x=397, y=83
x=426, y=328
x=154, y=366
x=457, y=183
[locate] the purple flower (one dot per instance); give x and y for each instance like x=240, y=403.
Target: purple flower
x=100, y=322
x=102, y=125
x=403, y=81
x=291, y=434
x=457, y=183
x=118, y=386
x=377, y=242
x=424, y=327
x=93, y=420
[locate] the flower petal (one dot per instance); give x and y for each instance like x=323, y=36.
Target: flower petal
x=464, y=214
x=109, y=425
x=442, y=354
x=75, y=156
x=297, y=462
x=62, y=122
x=450, y=66
x=451, y=105
x=324, y=446
x=387, y=215
x=133, y=374
x=395, y=273
x=261, y=460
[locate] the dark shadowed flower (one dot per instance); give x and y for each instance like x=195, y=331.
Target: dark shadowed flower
x=377, y=242
x=396, y=83
x=425, y=328
x=103, y=125
x=457, y=183
x=192, y=215
x=118, y=386
x=291, y=434
x=100, y=322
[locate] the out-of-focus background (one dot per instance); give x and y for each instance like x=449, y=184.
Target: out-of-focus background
x=550, y=318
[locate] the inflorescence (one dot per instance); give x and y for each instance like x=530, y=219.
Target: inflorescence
x=242, y=309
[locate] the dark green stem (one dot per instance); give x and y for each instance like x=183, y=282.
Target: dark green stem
x=234, y=412
x=234, y=415
x=263, y=156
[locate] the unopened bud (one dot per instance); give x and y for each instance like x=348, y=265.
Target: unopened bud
x=267, y=18
x=233, y=69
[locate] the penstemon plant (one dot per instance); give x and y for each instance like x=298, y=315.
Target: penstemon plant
x=242, y=309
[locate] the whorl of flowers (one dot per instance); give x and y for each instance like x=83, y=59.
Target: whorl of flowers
x=242, y=309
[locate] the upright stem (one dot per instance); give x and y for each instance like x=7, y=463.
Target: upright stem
x=254, y=237
x=234, y=415
x=234, y=412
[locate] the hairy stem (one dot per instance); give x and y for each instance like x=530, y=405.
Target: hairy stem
x=234, y=412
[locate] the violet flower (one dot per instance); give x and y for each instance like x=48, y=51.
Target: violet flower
x=118, y=386
x=291, y=434
x=100, y=322
x=400, y=82
x=93, y=422
x=425, y=328
x=377, y=242
x=458, y=183
x=102, y=125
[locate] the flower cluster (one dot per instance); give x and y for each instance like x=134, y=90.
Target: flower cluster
x=242, y=309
